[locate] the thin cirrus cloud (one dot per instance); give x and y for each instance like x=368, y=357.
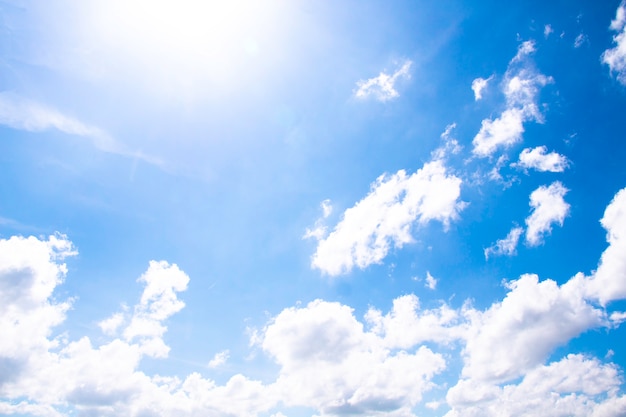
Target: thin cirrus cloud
x=327, y=358
x=615, y=57
x=383, y=87
x=21, y=113
x=520, y=86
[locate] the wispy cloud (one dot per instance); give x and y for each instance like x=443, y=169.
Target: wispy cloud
x=615, y=57
x=382, y=88
x=506, y=246
x=23, y=114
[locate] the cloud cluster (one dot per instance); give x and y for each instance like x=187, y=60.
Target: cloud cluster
x=384, y=218
x=520, y=86
x=328, y=360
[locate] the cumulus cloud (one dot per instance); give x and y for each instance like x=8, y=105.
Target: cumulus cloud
x=608, y=283
x=520, y=86
x=330, y=363
x=548, y=208
x=517, y=334
x=478, y=85
x=23, y=114
x=574, y=386
x=506, y=246
x=384, y=218
x=382, y=88
x=538, y=158
x=327, y=359
x=547, y=30
x=615, y=57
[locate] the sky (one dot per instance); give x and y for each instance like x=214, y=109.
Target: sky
x=312, y=208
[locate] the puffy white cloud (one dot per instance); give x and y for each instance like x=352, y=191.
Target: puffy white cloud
x=548, y=207
x=506, y=246
x=615, y=57
x=520, y=87
x=608, y=283
x=478, y=85
x=20, y=113
x=516, y=335
x=574, y=386
x=330, y=363
x=382, y=88
x=30, y=270
x=538, y=158
x=407, y=325
x=386, y=215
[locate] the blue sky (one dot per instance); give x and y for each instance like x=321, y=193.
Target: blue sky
x=291, y=209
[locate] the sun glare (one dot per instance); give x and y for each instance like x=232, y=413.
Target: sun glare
x=188, y=40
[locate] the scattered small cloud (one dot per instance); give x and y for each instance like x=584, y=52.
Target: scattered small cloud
x=520, y=86
x=382, y=88
x=478, y=85
x=547, y=30
x=431, y=282
x=506, y=246
x=539, y=159
x=548, y=208
x=580, y=40
x=219, y=359
x=318, y=231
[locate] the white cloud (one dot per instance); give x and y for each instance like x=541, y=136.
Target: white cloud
x=547, y=30
x=574, y=386
x=548, y=207
x=382, y=88
x=538, y=158
x=20, y=113
x=520, y=86
x=608, y=283
x=319, y=230
x=580, y=40
x=407, y=325
x=506, y=246
x=615, y=57
x=478, y=85
x=386, y=215
x=328, y=362
x=431, y=282
x=518, y=334
x=219, y=359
